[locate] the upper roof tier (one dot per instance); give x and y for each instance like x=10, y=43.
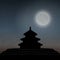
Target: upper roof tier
x=30, y=32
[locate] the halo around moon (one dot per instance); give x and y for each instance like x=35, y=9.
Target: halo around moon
x=42, y=18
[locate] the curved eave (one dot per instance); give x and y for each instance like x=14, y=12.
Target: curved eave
x=37, y=38
x=20, y=44
x=30, y=32
x=32, y=39
x=22, y=39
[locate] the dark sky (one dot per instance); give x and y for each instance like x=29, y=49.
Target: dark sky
x=17, y=16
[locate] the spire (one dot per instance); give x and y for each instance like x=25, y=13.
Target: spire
x=30, y=28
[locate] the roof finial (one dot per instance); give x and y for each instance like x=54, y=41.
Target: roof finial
x=30, y=27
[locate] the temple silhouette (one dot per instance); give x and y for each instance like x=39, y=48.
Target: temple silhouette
x=30, y=41
x=30, y=46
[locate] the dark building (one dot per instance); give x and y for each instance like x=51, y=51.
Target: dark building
x=30, y=41
x=30, y=46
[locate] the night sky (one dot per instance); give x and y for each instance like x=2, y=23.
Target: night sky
x=17, y=16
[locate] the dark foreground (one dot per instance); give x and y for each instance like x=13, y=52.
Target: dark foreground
x=42, y=51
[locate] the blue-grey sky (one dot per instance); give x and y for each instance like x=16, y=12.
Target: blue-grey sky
x=17, y=16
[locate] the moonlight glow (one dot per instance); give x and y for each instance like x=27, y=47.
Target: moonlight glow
x=42, y=18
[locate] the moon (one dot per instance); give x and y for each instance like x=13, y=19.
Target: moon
x=43, y=18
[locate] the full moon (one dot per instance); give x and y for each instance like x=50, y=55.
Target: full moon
x=43, y=18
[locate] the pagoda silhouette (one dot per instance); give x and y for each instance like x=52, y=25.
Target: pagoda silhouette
x=30, y=41
x=30, y=46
